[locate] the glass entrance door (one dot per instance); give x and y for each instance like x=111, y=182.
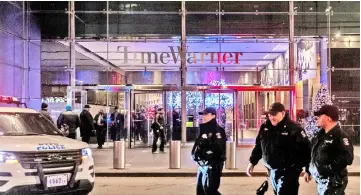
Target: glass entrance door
x=144, y=108
x=223, y=101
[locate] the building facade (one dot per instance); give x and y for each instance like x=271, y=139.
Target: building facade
x=236, y=56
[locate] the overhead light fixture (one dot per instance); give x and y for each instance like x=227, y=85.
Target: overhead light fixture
x=276, y=47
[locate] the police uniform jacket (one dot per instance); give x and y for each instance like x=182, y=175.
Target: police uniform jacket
x=282, y=146
x=332, y=152
x=210, y=145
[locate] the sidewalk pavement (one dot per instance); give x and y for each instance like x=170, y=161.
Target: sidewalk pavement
x=140, y=162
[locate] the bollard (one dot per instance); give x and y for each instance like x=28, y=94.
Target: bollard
x=119, y=155
x=175, y=155
x=231, y=151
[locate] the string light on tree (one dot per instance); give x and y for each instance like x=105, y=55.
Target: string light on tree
x=322, y=97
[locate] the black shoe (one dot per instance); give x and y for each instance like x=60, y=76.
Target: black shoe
x=100, y=147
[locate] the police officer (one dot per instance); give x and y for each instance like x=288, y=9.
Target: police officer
x=209, y=152
x=285, y=150
x=332, y=151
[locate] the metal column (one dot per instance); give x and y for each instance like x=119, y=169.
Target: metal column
x=183, y=75
x=127, y=108
x=329, y=69
x=71, y=35
x=292, y=57
x=257, y=110
x=235, y=116
x=26, y=50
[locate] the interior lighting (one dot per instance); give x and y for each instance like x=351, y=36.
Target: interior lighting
x=338, y=33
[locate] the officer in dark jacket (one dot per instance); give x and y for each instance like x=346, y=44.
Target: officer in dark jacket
x=68, y=121
x=209, y=152
x=86, y=124
x=285, y=150
x=332, y=151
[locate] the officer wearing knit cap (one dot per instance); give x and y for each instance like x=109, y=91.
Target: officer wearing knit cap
x=68, y=121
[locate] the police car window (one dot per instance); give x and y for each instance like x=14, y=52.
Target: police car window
x=21, y=124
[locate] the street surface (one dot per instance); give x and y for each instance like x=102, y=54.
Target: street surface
x=187, y=186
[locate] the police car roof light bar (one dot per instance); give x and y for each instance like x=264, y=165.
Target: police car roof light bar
x=11, y=100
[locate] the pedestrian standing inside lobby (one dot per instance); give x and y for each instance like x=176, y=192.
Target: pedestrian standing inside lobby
x=285, y=150
x=117, y=127
x=158, y=131
x=100, y=121
x=86, y=124
x=209, y=151
x=332, y=152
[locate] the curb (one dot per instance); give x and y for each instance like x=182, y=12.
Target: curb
x=188, y=174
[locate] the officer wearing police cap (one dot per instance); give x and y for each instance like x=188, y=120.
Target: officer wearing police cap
x=285, y=149
x=332, y=151
x=209, y=151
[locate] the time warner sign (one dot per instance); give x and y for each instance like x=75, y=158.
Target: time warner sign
x=173, y=56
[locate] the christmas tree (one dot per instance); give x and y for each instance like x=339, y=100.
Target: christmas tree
x=322, y=97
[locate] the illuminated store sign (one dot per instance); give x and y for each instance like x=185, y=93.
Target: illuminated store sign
x=173, y=56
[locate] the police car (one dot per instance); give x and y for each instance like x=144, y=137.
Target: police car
x=35, y=157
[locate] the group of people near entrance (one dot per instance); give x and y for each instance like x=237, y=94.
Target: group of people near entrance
x=69, y=121
x=285, y=149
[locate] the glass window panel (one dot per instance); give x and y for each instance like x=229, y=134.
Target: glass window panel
x=202, y=6
x=34, y=28
x=19, y=52
x=345, y=57
x=254, y=24
x=202, y=24
x=8, y=16
x=53, y=25
x=310, y=6
x=311, y=25
x=49, y=5
x=7, y=48
x=144, y=24
x=347, y=81
x=226, y=113
x=345, y=6
x=90, y=25
x=343, y=24
x=173, y=6
x=253, y=6
x=90, y=5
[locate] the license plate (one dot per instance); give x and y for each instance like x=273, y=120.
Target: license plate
x=56, y=180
